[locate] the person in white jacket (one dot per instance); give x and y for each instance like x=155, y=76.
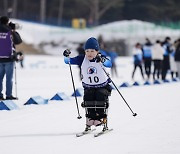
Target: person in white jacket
x=157, y=57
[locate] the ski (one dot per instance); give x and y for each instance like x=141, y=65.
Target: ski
x=84, y=133
x=102, y=132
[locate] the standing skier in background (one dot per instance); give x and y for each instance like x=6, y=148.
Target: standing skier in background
x=138, y=59
x=167, y=50
x=157, y=57
x=94, y=81
x=80, y=50
x=173, y=67
x=147, y=57
x=177, y=57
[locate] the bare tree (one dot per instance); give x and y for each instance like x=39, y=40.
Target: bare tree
x=14, y=8
x=99, y=7
x=60, y=11
x=42, y=10
x=5, y=2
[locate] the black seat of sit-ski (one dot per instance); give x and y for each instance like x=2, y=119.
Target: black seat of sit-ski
x=103, y=104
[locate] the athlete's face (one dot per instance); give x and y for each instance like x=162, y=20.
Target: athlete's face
x=91, y=53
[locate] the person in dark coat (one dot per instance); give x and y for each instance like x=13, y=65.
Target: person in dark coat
x=177, y=57
x=147, y=57
x=81, y=51
x=167, y=50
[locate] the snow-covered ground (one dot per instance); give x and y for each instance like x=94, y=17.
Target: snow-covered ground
x=51, y=128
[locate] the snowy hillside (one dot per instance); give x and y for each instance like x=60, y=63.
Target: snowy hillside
x=51, y=128
x=54, y=39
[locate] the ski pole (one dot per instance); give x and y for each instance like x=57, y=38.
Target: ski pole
x=134, y=114
x=79, y=117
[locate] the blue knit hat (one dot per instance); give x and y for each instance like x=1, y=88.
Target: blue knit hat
x=91, y=43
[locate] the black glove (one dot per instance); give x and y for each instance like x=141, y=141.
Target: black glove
x=83, y=104
x=100, y=58
x=66, y=53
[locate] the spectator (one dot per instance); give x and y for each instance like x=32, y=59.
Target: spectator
x=81, y=51
x=113, y=55
x=101, y=41
x=8, y=39
x=173, y=66
x=177, y=57
x=147, y=57
x=157, y=57
x=167, y=50
x=137, y=54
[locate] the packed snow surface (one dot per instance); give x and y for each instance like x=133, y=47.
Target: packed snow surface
x=52, y=128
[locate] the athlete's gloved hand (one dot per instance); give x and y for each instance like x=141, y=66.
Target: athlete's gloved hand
x=66, y=53
x=83, y=104
x=100, y=58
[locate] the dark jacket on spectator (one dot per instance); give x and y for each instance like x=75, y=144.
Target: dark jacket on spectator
x=177, y=53
x=15, y=36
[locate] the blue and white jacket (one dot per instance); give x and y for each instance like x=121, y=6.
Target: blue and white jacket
x=93, y=76
x=147, y=51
